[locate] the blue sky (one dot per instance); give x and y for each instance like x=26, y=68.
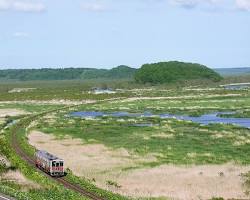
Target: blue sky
x=107, y=33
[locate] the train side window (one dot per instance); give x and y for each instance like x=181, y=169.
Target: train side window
x=61, y=164
x=53, y=164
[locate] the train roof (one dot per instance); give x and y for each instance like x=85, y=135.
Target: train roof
x=47, y=155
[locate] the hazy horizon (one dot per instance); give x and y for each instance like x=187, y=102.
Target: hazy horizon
x=1, y=68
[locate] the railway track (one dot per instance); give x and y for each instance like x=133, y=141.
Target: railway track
x=62, y=180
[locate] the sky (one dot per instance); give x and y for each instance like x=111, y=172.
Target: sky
x=108, y=33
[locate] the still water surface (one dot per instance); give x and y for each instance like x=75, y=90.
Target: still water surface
x=203, y=119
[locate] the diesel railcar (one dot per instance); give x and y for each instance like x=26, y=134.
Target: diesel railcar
x=49, y=163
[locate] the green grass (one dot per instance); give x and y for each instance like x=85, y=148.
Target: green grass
x=78, y=89
x=170, y=141
x=238, y=114
x=29, y=107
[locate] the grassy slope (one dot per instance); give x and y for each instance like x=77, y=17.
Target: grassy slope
x=49, y=188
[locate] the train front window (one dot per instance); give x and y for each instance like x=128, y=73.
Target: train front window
x=57, y=164
x=61, y=164
x=53, y=164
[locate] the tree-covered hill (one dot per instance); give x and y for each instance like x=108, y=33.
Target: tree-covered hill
x=120, y=72
x=173, y=71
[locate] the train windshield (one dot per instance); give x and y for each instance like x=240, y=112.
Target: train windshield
x=53, y=164
x=61, y=164
x=57, y=164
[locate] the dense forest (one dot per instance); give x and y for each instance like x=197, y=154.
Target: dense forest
x=173, y=71
x=120, y=72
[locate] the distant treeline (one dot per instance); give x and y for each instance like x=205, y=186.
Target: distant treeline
x=120, y=72
x=156, y=73
x=233, y=71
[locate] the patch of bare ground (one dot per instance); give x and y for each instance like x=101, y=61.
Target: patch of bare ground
x=49, y=102
x=205, y=96
x=11, y=112
x=18, y=178
x=18, y=90
x=97, y=162
x=84, y=159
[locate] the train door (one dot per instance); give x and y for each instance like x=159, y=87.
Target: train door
x=57, y=168
x=61, y=167
x=53, y=166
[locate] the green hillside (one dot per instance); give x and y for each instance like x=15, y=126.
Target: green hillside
x=173, y=71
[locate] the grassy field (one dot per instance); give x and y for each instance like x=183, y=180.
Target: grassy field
x=170, y=140
x=166, y=142
x=79, y=89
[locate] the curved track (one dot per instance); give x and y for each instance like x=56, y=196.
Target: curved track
x=62, y=180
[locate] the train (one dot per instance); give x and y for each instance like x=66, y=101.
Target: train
x=49, y=163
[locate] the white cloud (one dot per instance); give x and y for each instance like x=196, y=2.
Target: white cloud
x=93, y=6
x=185, y=3
x=22, y=6
x=4, y=4
x=21, y=35
x=194, y=3
x=243, y=4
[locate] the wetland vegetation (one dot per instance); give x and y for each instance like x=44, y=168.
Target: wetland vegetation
x=140, y=142
x=170, y=140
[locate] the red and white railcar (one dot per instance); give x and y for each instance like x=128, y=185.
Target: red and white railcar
x=49, y=163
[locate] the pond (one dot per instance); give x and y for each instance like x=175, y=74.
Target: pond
x=236, y=86
x=212, y=118
x=203, y=119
